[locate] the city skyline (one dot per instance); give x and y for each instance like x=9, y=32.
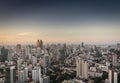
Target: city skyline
x=60, y=22
x=60, y=41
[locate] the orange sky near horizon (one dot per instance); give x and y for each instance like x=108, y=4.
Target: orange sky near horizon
x=62, y=34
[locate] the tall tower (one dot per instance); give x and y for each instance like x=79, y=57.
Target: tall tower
x=10, y=75
x=82, y=68
x=18, y=47
x=114, y=59
x=46, y=59
x=82, y=44
x=36, y=75
x=112, y=76
x=21, y=76
x=40, y=43
x=112, y=72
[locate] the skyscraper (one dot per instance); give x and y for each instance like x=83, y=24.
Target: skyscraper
x=115, y=77
x=19, y=61
x=112, y=76
x=26, y=73
x=28, y=50
x=34, y=60
x=114, y=59
x=18, y=47
x=10, y=75
x=118, y=45
x=36, y=75
x=21, y=76
x=46, y=60
x=4, y=54
x=40, y=44
x=82, y=44
x=81, y=68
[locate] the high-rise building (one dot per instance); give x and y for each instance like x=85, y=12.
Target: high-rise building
x=34, y=60
x=9, y=56
x=26, y=73
x=45, y=79
x=18, y=47
x=114, y=59
x=19, y=61
x=110, y=73
x=28, y=50
x=40, y=43
x=4, y=54
x=81, y=68
x=36, y=74
x=115, y=77
x=112, y=76
x=10, y=75
x=118, y=45
x=62, y=55
x=23, y=75
x=85, y=69
x=82, y=44
x=46, y=60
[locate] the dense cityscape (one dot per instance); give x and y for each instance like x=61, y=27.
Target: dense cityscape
x=59, y=41
x=60, y=63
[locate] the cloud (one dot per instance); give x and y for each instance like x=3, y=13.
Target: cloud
x=25, y=33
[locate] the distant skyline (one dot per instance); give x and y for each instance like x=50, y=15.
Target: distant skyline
x=92, y=22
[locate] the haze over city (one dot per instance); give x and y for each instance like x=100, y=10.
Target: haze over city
x=59, y=41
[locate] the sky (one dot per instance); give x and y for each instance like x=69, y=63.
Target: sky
x=60, y=21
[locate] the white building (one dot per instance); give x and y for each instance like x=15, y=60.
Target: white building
x=112, y=76
x=26, y=73
x=21, y=76
x=115, y=77
x=114, y=57
x=36, y=74
x=82, y=68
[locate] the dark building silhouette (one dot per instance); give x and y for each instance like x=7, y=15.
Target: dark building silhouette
x=4, y=54
x=82, y=44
